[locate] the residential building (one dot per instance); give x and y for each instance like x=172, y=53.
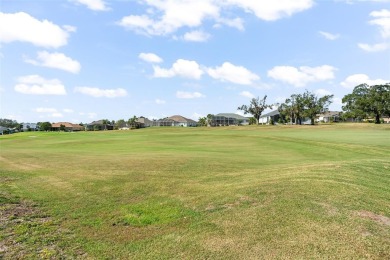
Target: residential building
x=99, y=125
x=270, y=118
x=226, y=119
x=329, y=116
x=144, y=122
x=68, y=127
x=175, y=120
x=29, y=127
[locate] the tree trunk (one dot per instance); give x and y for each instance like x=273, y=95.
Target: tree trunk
x=312, y=121
x=377, y=119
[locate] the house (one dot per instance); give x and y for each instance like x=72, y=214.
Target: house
x=226, y=119
x=4, y=130
x=386, y=120
x=29, y=127
x=68, y=127
x=175, y=120
x=329, y=116
x=144, y=122
x=270, y=118
x=99, y=125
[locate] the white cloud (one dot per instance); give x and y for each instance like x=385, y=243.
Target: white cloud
x=98, y=92
x=37, y=85
x=68, y=110
x=175, y=14
x=150, y=57
x=235, y=74
x=25, y=28
x=322, y=92
x=96, y=5
x=195, y=116
x=160, y=101
x=56, y=60
x=382, y=19
x=247, y=94
x=374, y=47
x=189, y=95
x=196, y=36
x=357, y=79
x=272, y=10
x=167, y=16
x=50, y=112
x=237, y=23
x=182, y=68
x=90, y=115
x=300, y=77
x=329, y=36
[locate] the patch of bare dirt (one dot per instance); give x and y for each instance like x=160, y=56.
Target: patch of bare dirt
x=383, y=220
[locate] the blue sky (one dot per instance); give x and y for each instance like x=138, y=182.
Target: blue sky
x=84, y=60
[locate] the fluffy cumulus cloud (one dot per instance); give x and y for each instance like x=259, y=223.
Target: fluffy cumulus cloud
x=189, y=95
x=196, y=36
x=182, y=68
x=329, y=36
x=150, y=57
x=272, y=10
x=167, y=16
x=49, y=112
x=234, y=74
x=98, y=92
x=96, y=5
x=247, y=94
x=37, y=85
x=55, y=60
x=25, y=28
x=300, y=77
x=382, y=19
x=357, y=79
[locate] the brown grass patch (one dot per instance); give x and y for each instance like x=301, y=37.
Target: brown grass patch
x=383, y=220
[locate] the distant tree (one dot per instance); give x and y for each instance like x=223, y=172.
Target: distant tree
x=252, y=121
x=210, y=120
x=314, y=105
x=255, y=108
x=133, y=122
x=202, y=121
x=120, y=123
x=105, y=122
x=44, y=126
x=366, y=101
x=9, y=123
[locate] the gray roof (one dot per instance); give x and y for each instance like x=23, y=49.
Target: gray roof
x=232, y=115
x=272, y=113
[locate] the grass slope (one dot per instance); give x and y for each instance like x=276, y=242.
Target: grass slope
x=236, y=192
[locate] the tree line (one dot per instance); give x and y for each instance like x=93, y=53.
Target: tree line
x=363, y=103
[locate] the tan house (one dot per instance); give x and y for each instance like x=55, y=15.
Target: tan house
x=68, y=127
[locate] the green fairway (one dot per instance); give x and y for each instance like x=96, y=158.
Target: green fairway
x=197, y=193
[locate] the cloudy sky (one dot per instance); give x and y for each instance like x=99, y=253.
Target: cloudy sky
x=84, y=60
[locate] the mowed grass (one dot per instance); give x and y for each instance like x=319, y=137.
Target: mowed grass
x=196, y=193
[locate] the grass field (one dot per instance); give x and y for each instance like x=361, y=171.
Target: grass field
x=196, y=193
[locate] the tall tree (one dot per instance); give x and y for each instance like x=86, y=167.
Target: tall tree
x=292, y=109
x=133, y=122
x=314, y=105
x=255, y=108
x=202, y=121
x=44, y=126
x=366, y=101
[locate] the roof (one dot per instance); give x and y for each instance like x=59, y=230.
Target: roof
x=330, y=113
x=272, y=113
x=181, y=119
x=66, y=124
x=99, y=122
x=232, y=115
